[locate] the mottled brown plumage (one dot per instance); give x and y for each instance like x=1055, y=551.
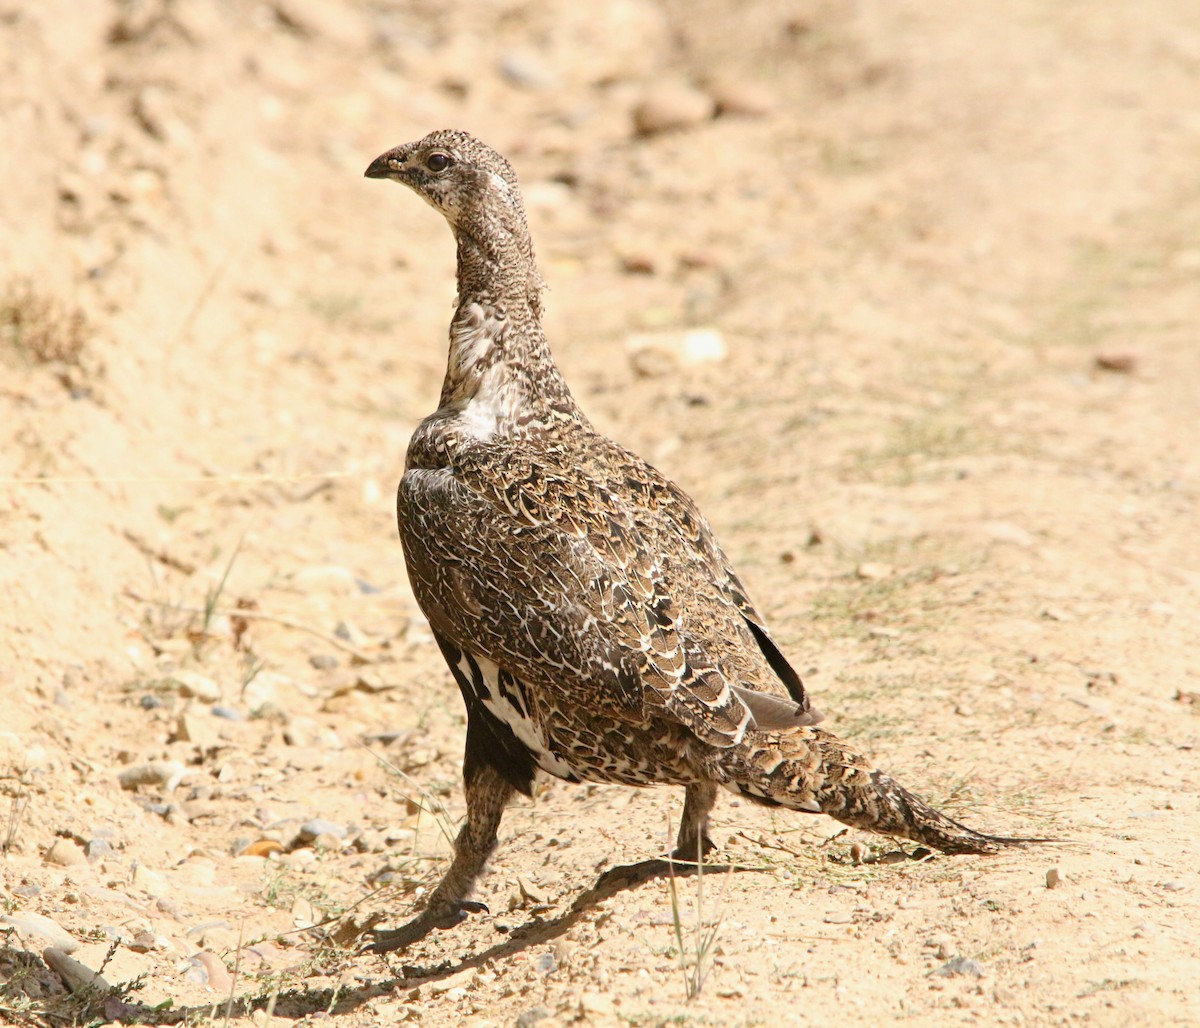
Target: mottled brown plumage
x=594, y=626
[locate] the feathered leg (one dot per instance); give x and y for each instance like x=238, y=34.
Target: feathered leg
x=693, y=842
x=488, y=793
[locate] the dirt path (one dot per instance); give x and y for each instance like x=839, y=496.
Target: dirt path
x=953, y=446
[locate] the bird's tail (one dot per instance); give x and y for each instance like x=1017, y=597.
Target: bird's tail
x=811, y=770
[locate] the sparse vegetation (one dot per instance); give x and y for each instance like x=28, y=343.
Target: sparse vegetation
x=695, y=943
x=36, y=328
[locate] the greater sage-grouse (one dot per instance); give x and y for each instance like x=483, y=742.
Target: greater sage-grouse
x=596, y=629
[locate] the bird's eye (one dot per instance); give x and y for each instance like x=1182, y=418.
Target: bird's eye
x=437, y=161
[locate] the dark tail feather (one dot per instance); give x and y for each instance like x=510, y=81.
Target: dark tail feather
x=809, y=769
x=893, y=810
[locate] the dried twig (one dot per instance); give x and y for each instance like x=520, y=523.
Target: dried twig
x=258, y=615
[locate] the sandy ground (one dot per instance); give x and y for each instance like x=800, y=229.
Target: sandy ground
x=953, y=445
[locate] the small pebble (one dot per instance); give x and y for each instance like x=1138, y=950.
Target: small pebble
x=369, y=841
x=323, y=661
x=874, y=571
x=1052, y=878
x=741, y=99
x=98, y=848
x=196, y=729
x=261, y=848
x=525, y=69
x=654, y=354
x=669, y=107
x=168, y=773
x=304, y=914
x=302, y=731
x=151, y=882
x=42, y=928
x=545, y=963
x=638, y=263
x=942, y=946
x=145, y=941
x=170, y=907
x=531, y=893
x=65, y=853
x=960, y=966
x=315, y=827
x=194, y=684
x=213, y=972
x=226, y=713
x=1118, y=362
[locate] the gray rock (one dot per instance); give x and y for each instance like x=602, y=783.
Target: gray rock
x=167, y=773
x=310, y=830
x=960, y=966
x=97, y=849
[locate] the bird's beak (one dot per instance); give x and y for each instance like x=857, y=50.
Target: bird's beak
x=381, y=167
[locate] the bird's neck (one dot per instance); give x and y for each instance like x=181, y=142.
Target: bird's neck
x=498, y=352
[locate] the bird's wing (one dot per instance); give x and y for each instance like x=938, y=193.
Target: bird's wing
x=656, y=491
x=545, y=572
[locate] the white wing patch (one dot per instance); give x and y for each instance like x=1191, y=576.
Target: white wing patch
x=505, y=698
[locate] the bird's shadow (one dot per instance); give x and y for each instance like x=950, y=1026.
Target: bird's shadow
x=301, y=1000
x=610, y=883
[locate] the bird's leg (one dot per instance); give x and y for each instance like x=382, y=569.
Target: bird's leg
x=488, y=794
x=693, y=843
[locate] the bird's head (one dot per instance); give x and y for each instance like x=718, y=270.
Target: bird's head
x=458, y=175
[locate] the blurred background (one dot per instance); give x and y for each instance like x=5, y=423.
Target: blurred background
x=906, y=294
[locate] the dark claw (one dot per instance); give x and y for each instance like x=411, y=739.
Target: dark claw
x=457, y=914
x=388, y=940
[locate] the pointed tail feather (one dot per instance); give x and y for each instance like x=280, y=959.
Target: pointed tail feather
x=890, y=809
x=809, y=769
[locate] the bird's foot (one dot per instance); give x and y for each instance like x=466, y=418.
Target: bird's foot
x=389, y=940
x=693, y=851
